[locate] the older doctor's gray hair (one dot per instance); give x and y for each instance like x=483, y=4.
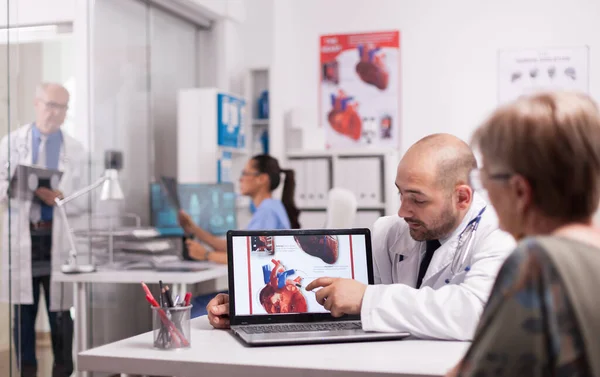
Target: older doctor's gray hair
x=41, y=88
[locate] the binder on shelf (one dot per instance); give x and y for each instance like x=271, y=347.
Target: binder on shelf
x=300, y=195
x=370, y=186
x=345, y=180
x=311, y=178
x=224, y=168
x=321, y=179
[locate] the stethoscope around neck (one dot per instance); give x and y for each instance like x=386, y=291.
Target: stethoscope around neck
x=22, y=148
x=465, y=244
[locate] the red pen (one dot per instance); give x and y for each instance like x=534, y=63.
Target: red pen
x=147, y=290
x=188, y=297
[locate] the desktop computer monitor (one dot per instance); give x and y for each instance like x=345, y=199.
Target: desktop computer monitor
x=211, y=206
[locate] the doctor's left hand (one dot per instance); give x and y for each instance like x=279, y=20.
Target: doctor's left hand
x=339, y=296
x=48, y=196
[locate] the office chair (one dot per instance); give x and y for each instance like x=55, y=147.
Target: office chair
x=341, y=208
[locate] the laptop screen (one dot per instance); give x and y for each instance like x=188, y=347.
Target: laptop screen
x=272, y=271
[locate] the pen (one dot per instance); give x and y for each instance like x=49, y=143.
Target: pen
x=168, y=297
x=147, y=290
x=160, y=296
x=188, y=297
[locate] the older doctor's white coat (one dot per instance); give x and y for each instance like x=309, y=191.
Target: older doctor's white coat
x=450, y=302
x=72, y=163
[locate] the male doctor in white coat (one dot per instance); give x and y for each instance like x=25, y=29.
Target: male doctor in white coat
x=430, y=280
x=38, y=243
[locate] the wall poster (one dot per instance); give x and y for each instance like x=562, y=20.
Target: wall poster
x=522, y=72
x=359, y=88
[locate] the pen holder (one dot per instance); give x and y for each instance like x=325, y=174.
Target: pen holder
x=171, y=327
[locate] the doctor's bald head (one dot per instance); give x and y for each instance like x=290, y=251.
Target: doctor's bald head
x=51, y=103
x=433, y=183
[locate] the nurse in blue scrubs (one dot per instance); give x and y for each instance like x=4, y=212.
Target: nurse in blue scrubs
x=260, y=177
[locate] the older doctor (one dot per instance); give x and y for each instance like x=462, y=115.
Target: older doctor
x=434, y=263
x=37, y=237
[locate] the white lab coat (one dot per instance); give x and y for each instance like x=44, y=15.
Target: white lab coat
x=449, y=303
x=72, y=162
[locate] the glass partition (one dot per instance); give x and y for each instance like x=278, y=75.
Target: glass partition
x=106, y=76
x=141, y=57
x=40, y=161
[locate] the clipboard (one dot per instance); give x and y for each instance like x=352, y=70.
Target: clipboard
x=28, y=178
x=169, y=185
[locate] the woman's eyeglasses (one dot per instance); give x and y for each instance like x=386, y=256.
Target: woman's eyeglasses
x=249, y=173
x=475, y=178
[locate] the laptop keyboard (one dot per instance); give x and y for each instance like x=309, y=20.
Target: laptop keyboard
x=301, y=327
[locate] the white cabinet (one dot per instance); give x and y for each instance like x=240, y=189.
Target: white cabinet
x=363, y=176
x=313, y=181
x=369, y=174
x=211, y=137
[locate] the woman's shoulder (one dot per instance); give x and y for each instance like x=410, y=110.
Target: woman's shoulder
x=528, y=258
x=270, y=205
x=535, y=252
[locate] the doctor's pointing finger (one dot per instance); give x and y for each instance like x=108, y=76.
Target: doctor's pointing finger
x=339, y=296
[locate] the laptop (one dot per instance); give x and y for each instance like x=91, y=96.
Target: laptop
x=268, y=273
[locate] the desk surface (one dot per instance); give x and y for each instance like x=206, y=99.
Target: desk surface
x=218, y=352
x=135, y=276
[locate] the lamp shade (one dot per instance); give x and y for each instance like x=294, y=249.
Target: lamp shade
x=111, y=188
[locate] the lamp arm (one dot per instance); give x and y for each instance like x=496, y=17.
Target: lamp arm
x=73, y=251
x=63, y=213
x=83, y=191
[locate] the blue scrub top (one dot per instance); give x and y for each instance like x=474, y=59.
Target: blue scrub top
x=270, y=214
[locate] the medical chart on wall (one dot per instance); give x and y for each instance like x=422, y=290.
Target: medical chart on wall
x=359, y=99
x=522, y=72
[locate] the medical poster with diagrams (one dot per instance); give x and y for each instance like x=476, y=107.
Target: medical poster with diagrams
x=359, y=97
x=522, y=72
x=271, y=272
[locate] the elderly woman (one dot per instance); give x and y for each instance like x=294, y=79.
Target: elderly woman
x=541, y=172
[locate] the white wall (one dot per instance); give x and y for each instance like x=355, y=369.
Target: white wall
x=232, y=9
x=257, y=33
x=448, y=49
x=37, y=12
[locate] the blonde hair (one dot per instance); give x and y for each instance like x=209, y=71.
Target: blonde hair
x=553, y=141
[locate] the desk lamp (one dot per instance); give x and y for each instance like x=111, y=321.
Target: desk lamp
x=111, y=190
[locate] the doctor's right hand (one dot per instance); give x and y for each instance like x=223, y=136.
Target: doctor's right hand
x=454, y=371
x=218, y=311
x=186, y=222
x=47, y=196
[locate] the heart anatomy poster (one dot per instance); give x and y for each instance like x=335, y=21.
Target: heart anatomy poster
x=359, y=89
x=522, y=72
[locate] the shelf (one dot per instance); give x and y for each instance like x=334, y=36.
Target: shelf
x=373, y=207
x=235, y=151
x=379, y=207
x=260, y=122
x=312, y=209
x=340, y=153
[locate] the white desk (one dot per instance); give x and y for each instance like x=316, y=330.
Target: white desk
x=219, y=353
x=179, y=280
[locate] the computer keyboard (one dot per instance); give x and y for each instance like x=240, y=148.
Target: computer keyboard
x=301, y=327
